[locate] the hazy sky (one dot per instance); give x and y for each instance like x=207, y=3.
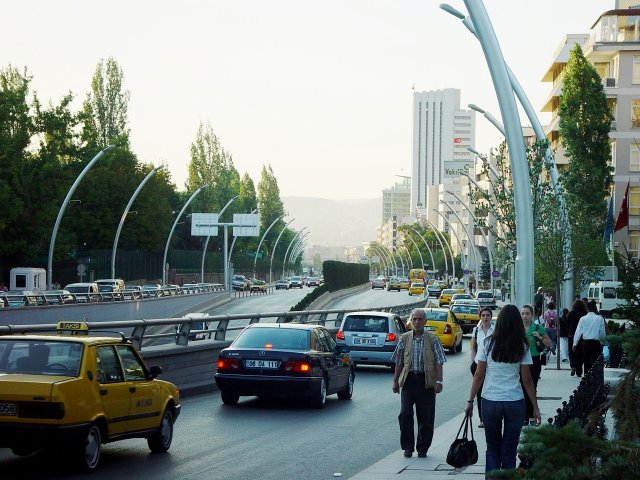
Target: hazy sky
x=319, y=90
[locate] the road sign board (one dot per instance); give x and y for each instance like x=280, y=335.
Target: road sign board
x=250, y=224
x=202, y=224
x=467, y=272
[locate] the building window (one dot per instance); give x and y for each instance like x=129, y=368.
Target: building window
x=635, y=78
x=634, y=158
x=634, y=201
x=634, y=244
x=635, y=113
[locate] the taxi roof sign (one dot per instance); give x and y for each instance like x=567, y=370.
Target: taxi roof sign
x=72, y=327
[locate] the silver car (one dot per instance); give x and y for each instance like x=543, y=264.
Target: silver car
x=371, y=336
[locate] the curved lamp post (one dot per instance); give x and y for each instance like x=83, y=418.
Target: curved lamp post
x=391, y=258
x=173, y=227
x=206, y=242
x=463, y=260
x=264, y=235
x=124, y=216
x=433, y=262
x=408, y=258
x=469, y=236
x=385, y=255
x=484, y=157
x=437, y=233
x=517, y=155
x=299, y=245
x=486, y=239
x=273, y=250
x=382, y=264
x=286, y=253
x=63, y=207
x=418, y=249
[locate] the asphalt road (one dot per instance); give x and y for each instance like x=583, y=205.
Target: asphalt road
x=269, y=439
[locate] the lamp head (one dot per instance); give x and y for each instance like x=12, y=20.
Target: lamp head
x=449, y=9
x=473, y=106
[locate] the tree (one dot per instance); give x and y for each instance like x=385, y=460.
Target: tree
x=585, y=122
x=105, y=109
x=269, y=203
x=248, y=200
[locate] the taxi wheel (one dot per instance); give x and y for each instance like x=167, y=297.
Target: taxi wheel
x=319, y=398
x=160, y=441
x=229, y=398
x=348, y=391
x=90, y=448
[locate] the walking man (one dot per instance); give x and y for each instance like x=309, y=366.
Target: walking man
x=419, y=358
x=591, y=330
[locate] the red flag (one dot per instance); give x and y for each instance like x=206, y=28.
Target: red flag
x=623, y=215
x=457, y=140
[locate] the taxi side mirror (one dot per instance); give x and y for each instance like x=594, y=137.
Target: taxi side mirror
x=155, y=371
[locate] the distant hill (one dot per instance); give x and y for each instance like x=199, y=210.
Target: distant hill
x=335, y=223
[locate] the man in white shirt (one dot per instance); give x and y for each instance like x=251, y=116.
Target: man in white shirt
x=591, y=330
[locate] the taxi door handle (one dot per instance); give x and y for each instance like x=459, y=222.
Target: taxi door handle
x=103, y=391
x=132, y=389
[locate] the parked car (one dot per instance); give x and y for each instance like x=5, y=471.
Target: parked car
x=20, y=298
x=486, y=298
x=116, y=283
x=58, y=297
x=371, y=336
x=282, y=283
x=83, y=386
x=84, y=292
x=152, y=290
x=416, y=288
x=132, y=292
x=239, y=282
x=285, y=360
x=445, y=326
x=378, y=282
x=172, y=289
x=190, y=288
x=296, y=282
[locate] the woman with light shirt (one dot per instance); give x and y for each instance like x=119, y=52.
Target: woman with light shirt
x=503, y=358
x=478, y=334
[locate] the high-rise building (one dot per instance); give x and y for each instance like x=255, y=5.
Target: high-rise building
x=613, y=47
x=396, y=201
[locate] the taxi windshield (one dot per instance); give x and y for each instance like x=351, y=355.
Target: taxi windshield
x=40, y=357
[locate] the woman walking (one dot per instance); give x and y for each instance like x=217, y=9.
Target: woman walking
x=479, y=333
x=550, y=324
x=534, y=332
x=578, y=311
x=563, y=333
x=502, y=359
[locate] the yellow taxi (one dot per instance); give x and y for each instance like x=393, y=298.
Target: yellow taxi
x=394, y=284
x=442, y=323
x=467, y=314
x=445, y=296
x=404, y=283
x=416, y=288
x=74, y=392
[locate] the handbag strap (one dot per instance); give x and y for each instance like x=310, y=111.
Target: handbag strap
x=467, y=424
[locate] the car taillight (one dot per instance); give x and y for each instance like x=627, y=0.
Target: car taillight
x=229, y=364
x=391, y=337
x=447, y=329
x=297, y=366
x=340, y=335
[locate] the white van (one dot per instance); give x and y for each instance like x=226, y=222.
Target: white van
x=605, y=294
x=84, y=292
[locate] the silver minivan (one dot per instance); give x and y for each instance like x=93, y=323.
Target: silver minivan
x=371, y=336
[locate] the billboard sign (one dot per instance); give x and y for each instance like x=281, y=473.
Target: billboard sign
x=246, y=224
x=202, y=224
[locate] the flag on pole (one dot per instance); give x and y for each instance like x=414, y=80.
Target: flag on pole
x=623, y=215
x=608, y=226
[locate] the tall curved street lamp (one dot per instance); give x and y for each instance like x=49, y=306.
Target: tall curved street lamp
x=486, y=239
x=63, y=207
x=393, y=268
x=124, y=216
x=517, y=154
x=392, y=259
x=382, y=264
x=437, y=233
x=433, y=262
x=472, y=242
x=264, y=235
x=408, y=258
x=273, y=250
x=206, y=242
x=399, y=255
x=463, y=259
x=286, y=253
x=173, y=227
x=300, y=244
x=417, y=249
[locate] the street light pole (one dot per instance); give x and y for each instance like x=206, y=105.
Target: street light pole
x=418, y=250
x=273, y=250
x=466, y=230
x=63, y=207
x=173, y=227
x=462, y=257
x=124, y=216
x=286, y=253
x=264, y=235
x=206, y=242
x=433, y=262
x=437, y=233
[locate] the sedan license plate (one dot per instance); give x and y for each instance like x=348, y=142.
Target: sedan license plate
x=262, y=363
x=8, y=409
x=364, y=341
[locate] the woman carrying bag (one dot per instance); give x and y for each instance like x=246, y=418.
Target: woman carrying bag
x=502, y=359
x=538, y=342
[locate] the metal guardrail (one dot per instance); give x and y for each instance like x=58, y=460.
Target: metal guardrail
x=182, y=332
x=28, y=301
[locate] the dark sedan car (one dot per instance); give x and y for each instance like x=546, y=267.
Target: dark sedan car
x=285, y=360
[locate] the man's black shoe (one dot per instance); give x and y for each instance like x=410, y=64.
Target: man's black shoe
x=422, y=454
x=408, y=453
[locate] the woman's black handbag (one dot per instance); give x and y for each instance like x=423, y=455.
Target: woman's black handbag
x=463, y=452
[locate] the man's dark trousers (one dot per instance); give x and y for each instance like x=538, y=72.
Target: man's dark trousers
x=414, y=393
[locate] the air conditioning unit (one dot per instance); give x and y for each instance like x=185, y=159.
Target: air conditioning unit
x=609, y=82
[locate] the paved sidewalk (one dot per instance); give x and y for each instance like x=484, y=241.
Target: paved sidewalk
x=554, y=387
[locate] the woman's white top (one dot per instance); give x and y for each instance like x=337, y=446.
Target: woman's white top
x=501, y=380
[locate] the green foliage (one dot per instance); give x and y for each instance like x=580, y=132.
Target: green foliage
x=569, y=453
x=309, y=298
x=339, y=275
x=270, y=204
x=585, y=122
